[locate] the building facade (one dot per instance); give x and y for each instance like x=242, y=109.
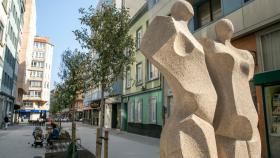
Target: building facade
x=257, y=29
x=38, y=78
x=28, y=34
x=142, y=92
x=11, y=24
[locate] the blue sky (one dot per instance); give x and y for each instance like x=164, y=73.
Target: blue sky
x=57, y=19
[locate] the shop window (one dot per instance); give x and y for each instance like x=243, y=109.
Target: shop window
x=138, y=110
x=208, y=11
x=130, y=111
x=272, y=98
x=153, y=110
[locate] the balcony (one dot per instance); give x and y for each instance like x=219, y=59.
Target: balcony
x=32, y=98
x=35, y=88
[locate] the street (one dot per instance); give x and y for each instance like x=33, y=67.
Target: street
x=16, y=143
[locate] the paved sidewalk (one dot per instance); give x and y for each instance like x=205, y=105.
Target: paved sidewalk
x=121, y=144
x=16, y=143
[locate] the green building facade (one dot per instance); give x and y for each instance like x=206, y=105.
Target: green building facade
x=142, y=102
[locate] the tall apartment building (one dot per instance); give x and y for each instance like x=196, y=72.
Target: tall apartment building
x=11, y=23
x=38, y=76
x=257, y=29
x=29, y=32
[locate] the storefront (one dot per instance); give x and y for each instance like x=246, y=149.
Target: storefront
x=26, y=115
x=143, y=113
x=269, y=85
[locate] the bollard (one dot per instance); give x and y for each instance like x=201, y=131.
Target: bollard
x=98, y=143
x=106, y=139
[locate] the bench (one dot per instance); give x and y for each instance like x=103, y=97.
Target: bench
x=59, y=147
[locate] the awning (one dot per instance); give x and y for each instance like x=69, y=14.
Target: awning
x=267, y=78
x=34, y=111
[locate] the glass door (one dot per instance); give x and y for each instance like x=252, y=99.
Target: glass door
x=272, y=103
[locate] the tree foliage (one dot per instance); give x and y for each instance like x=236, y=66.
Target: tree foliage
x=59, y=100
x=105, y=34
x=72, y=73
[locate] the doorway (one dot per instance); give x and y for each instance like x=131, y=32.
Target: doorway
x=272, y=107
x=116, y=116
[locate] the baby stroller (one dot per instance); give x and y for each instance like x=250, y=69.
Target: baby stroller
x=38, y=137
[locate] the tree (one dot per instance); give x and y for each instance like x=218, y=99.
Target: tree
x=105, y=34
x=59, y=100
x=72, y=75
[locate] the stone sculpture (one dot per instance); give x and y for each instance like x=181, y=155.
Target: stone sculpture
x=235, y=119
x=202, y=125
x=170, y=46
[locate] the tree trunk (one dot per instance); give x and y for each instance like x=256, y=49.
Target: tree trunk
x=101, y=124
x=73, y=132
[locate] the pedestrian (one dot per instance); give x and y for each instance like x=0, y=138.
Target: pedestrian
x=6, y=120
x=54, y=135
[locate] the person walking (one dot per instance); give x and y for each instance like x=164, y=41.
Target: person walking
x=6, y=120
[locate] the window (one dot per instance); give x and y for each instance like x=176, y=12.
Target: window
x=208, y=11
x=9, y=58
x=35, y=83
x=130, y=111
x=34, y=93
x=152, y=71
x=153, y=110
x=5, y=4
x=38, y=54
x=27, y=104
x=139, y=73
x=39, y=45
x=128, y=78
x=245, y=1
x=138, y=38
x=7, y=81
x=138, y=110
x=270, y=50
x=12, y=36
x=38, y=64
x=1, y=32
x=152, y=3
x=36, y=74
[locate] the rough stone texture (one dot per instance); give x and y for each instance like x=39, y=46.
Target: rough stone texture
x=189, y=132
x=230, y=70
x=170, y=46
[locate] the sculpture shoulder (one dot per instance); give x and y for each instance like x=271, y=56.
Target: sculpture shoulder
x=161, y=29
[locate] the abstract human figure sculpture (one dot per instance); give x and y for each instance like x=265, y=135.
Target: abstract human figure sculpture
x=200, y=126
x=170, y=46
x=235, y=119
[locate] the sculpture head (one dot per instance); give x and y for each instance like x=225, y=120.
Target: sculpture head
x=224, y=30
x=182, y=10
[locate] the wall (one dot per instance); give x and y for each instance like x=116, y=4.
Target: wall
x=145, y=127
x=139, y=58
